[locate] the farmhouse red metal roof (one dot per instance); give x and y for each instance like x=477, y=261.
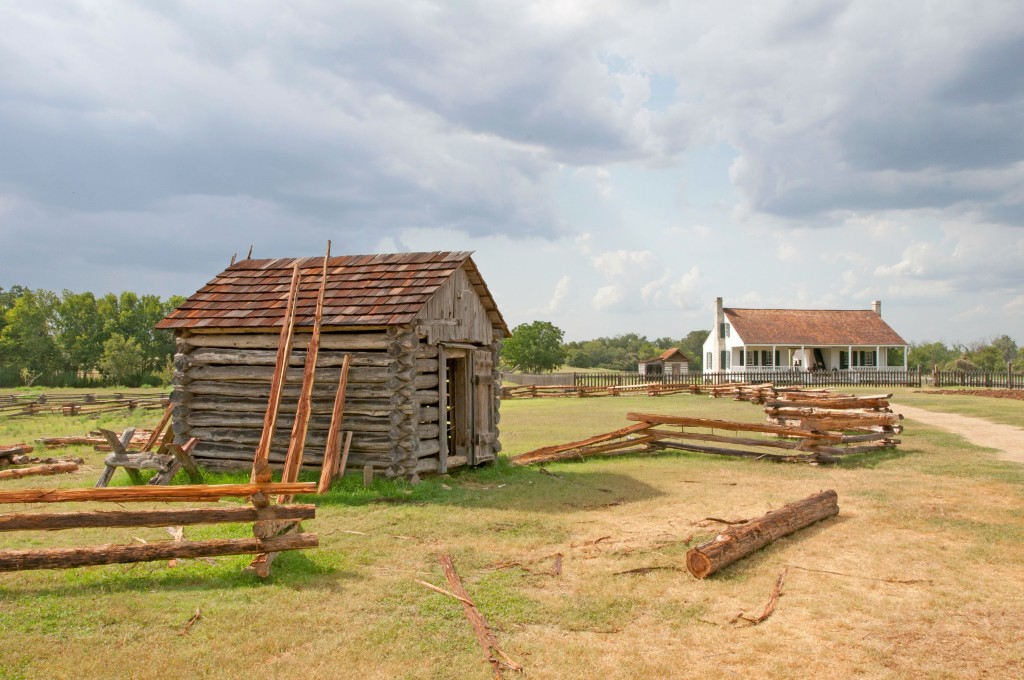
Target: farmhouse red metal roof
x=811, y=327
x=362, y=290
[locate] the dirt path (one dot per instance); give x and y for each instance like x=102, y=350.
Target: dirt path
x=1007, y=439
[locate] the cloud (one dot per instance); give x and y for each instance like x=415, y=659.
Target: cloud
x=558, y=296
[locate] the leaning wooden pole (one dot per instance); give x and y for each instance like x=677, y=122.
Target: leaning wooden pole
x=69, y=558
x=261, y=461
x=297, y=442
x=333, y=450
x=741, y=540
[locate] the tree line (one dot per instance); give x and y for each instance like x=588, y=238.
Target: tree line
x=79, y=339
x=538, y=347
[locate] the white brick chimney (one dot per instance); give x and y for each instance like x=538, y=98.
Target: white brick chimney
x=876, y=307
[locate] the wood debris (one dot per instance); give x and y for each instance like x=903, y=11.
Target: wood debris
x=769, y=608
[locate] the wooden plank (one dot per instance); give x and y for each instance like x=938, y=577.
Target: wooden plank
x=583, y=442
x=655, y=419
x=70, y=558
x=150, y=518
x=126, y=494
x=260, y=465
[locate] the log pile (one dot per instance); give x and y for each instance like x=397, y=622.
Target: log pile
x=865, y=420
x=648, y=389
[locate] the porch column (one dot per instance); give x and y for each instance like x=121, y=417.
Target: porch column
x=849, y=357
x=905, y=352
x=775, y=364
x=878, y=357
x=803, y=358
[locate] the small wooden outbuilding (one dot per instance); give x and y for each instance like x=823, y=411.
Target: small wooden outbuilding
x=423, y=332
x=671, y=363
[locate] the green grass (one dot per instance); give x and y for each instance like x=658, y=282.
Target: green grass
x=939, y=510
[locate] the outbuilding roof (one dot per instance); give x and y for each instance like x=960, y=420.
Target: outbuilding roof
x=362, y=290
x=820, y=327
x=668, y=354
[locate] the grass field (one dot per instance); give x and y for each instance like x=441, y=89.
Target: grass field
x=919, y=576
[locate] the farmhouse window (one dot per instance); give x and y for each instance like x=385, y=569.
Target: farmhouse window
x=743, y=358
x=723, y=330
x=844, y=360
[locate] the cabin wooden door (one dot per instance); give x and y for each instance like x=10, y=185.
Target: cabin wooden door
x=484, y=434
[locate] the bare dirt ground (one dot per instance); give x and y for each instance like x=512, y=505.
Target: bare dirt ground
x=1007, y=439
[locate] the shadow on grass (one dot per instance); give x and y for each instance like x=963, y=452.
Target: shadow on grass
x=498, y=486
x=873, y=459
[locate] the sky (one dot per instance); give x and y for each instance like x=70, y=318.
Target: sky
x=614, y=166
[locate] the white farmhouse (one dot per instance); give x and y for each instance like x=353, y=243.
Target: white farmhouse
x=800, y=339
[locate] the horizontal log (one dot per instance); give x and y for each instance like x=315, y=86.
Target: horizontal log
x=737, y=441
x=251, y=390
x=70, y=558
x=131, y=494
x=9, y=450
x=429, y=447
x=262, y=374
x=251, y=437
x=257, y=357
x=683, y=421
x=380, y=408
x=853, y=417
x=428, y=431
x=741, y=540
x=140, y=461
x=38, y=470
x=339, y=341
x=429, y=414
x=320, y=423
x=734, y=453
x=150, y=518
x=232, y=458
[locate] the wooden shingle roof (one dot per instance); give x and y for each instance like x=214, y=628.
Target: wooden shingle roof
x=670, y=353
x=362, y=290
x=811, y=327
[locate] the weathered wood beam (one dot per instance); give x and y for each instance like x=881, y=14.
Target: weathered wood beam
x=150, y=518
x=127, y=494
x=69, y=558
x=37, y=470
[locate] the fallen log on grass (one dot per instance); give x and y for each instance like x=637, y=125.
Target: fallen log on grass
x=52, y=469
x=738, y=541
x=11, y=450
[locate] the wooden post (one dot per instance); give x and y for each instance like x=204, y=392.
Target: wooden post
x=333, y=449
x=367, y=475
x=260, y=463
x=743, y=539
x=119, y=446
x=297, y=442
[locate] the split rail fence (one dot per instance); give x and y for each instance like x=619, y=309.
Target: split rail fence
x=849, y=378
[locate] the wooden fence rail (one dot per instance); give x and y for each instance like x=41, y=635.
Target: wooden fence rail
x=782, y=378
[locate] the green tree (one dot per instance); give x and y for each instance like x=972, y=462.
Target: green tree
x=534, y=347
x=1006, y=346
x=26, y=340
x=123, y=361
x=927, y=355
x=80, y=330
x=692, y=345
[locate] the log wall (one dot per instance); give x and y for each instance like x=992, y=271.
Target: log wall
x=222, y=384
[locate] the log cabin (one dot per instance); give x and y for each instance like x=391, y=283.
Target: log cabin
x=744, y=339
x=423, y=332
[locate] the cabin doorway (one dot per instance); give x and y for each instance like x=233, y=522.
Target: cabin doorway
x=466, y=396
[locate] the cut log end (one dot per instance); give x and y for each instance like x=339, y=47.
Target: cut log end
x=698, y=564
